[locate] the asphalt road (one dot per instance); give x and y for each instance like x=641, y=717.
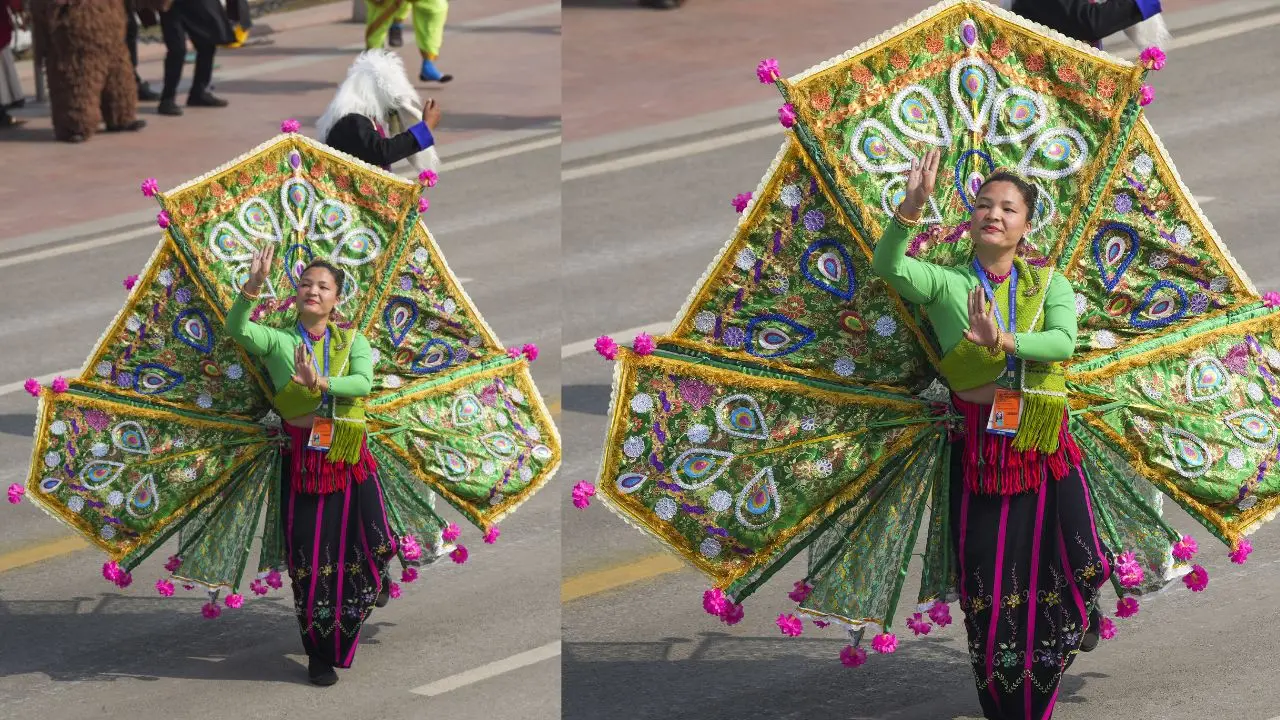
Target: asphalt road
x=635, y=242
x=72, y=646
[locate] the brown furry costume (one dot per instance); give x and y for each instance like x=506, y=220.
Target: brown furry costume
x=90, y=77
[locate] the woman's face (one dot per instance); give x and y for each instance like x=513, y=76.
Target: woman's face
x=317, y=292
x=999, y=216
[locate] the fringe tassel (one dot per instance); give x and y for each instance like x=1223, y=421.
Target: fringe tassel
x=315, y=473
x=994, y=466
x=348, y=441
x=1041, y=418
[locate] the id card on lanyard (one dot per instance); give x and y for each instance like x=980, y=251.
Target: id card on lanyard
x=321, y=427
x=1006, y=409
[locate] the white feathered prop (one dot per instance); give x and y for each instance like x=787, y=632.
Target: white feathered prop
x=378, y=88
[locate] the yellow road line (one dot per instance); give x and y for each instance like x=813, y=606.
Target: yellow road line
x=594, y=583
x=42, y=551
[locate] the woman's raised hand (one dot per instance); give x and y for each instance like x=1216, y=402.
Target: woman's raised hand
x=259, y=269
x=921, y=182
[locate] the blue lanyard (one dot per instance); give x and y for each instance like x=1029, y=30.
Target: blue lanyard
x=311, y=348
x=1013, y=304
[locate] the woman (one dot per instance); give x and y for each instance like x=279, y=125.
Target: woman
x=337, y=538
x=375, y=98
x=1030, y=561
x=206, y=23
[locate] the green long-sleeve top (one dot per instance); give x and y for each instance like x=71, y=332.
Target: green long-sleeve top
x=944, y=293
x=277, y=348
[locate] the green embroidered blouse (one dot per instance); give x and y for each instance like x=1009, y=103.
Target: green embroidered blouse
x=944, y=293
x=353, y=380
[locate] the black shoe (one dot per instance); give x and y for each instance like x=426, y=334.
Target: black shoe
x=134, y=126
x=169, y=107
x=146, y=94
x=321, y=672
x=206, y=99
x=395, y=36
x=662, y=4
x=1091, y=636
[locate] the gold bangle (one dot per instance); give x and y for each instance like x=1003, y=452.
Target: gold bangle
x=906, y=222
x=995, y=349
x=248, y=296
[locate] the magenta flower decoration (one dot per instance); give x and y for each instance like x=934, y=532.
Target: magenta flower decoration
x=32, y=386
x=163, y=220
x=1152, y=58
x=1127, y=607
x=59, y=384
x=290, y=126
x=582, y=493
x=787, y=115
x=1146, y=95
x=790, y=625
x=853, y=657
x=150, y=187
x=767, y=71
x=800, y=591
x=1196, y=580
x=1186, y=548
x=459, y=555
x=940, y=614
x=274, y=580
x=16, y=492
x=607, y=348
x=885, y=643
x=451, y=532
x=210, y=611
x=428, y=178
x=740, y=201
x=643, y=344
x=409, y=575
x=1107, y=629
x=423, y=204
x=235, y=601
x=164, y=587
x=492, y=536
x=1241, y=553
x=1271, y=298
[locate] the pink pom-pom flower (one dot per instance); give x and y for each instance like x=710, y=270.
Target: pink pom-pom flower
x=274, y=579
x=1186, y=548
x=1196, y=580
x=111, y=571
x=940, y=614
x=715, y=602
x=173, y=563
x=820, y=623
x=885, y=643
x=210, y=611
x=409, y=575
x=59, y=384
x=1107, y=629
x=428, y=178
x=258, y=587
x=787, y=115
x=459, y=554
x=1153, y=58
x=32, y=386
x=492, y=535
x=164, y=587
x=150, y=187
x=643, y=344
x=530, y=351
x=852, y=656
x=513, y=353
x=130, y=281
x=395, y=591
x=450, y=533
x=409, y=545
x=740, y=201
x=290, y=126
x=1271, y=298
x=767, y=71
x=124, y=579
x=732, y=614
x=582, y=493
x=1128, y=571
x=790, y=625
x=163, y=220
x=800, y=592
x=918, y=625
x=235, y=601
x=15, y=493
x=1241, y=553
x=1146, y=95
x=607, y=348
x=1127, y=607
x=423, y=204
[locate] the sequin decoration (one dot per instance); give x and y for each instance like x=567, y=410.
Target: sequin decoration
x=358, y=247
x=642, y=404
x=1115, y=246
x=1163, y=304
x=918, y=114
x=827, y=265
x=628, y=483
x=705, y=322
x=501, y=445
x=155, y=379
x=720, y=501
x=700, y=467
x=758, y=504
x=99, y=474
x=455, y=464
x=259, y=220
x=228, y=244
x=467, y=410
x=844, y=367
x=633, y=447
x=698, y=433
x=1190, y=455
x=1236, y=458
x=740, y=416
x=436, y=355
x=399, y=316
x=192, y=327
x=665, y=508
x=142, y=500
x=1207, y=379
x=1252, y=428
x=130, y=437
x=775, y=335
x=329, y=220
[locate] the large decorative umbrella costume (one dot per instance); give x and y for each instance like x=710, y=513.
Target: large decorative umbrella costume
x=169, y=428
x=796, y=404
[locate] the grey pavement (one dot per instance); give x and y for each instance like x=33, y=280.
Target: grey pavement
x=637, y=240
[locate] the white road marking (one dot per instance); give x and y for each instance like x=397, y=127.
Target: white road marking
x=673, y=153
x=493, y=669
x=698, y=147
x=1203, y=199
x=622, y=336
